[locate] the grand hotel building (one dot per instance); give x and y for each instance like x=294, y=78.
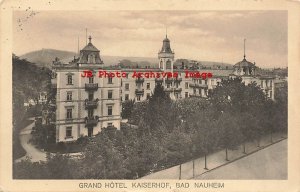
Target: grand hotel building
x=85, y=105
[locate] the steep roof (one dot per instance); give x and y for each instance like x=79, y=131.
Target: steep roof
x=166, y=48
x=244, y=63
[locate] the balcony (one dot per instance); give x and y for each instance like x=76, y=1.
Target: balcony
x=139, y=80
x=178, y=79
x=192, y=84
x=168, y=89
x=158, y=80
x=177, y=89
x=139, y=91
x=91, y=121
x=202, y=85
x=198, y=85
x=91, y=86
x=169, y=80
x=91, y=104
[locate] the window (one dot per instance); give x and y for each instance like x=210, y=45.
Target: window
x=262, y=83
x=110, y=80
x=109, y=110
x=109, y=94
x=168, y=85
x=148, y=95
x=91, y=96
x=109, y=124
x=126, y=97
x=148, y=85
x=176, y=95
x=91, y=79
x=69, y=96
x=127, y=86
x=138, y=98
x=91, y=59
x=69, y=113
x=68, y=131
x=90, y=112
x=70, y=80
x=194, y=91
x=186, y=94
x=186, y=85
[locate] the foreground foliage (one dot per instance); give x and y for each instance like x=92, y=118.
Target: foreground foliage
x=169, y=133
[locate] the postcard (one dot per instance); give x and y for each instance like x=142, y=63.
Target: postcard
x=119, y=95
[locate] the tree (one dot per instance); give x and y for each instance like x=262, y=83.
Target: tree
x=60, y=166
x=138, y=111
x=177, y=148
x=102, y=160
x=158, y=118
x=28, y=81
x=127, y=108
x=248, y=128
x=29, y=170
x=229, y=132
x=190, y=105
x=228, y=95
x=204, y=132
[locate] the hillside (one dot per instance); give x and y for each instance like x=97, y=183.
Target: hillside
x=45, y=57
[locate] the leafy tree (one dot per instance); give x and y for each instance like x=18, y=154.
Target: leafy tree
x=190, y=105
x=228, y=93
x=28, y=81
x=102, y=160
x=229, y=132
x=60, y=166
x=29, y=170
x=158, y=117
x=204, y=132
x=248, y=128
x=139, y=109
x=127, y=107
x=177, y=148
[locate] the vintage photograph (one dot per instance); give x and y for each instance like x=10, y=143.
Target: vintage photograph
x=135, y=95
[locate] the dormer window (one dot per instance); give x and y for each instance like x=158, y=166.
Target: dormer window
x=91, y=58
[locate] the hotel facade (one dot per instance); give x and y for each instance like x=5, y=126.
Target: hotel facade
x=85, y=105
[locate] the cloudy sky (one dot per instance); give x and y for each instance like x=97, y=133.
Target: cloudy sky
x=199, y=35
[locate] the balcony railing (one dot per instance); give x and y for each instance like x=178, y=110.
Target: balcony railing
x=169, y=80
x=139, y=80
x=192, y=84
x=195, y=95
x=178, y=89
x=91, y=104
x=178, y=79
x=198, y=85
x=168, y=89
x=139, y=91
x=91, y=121
x=158, y=80
x=91, y=86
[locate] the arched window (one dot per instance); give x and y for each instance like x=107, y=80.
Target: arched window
x=250, y=71
x=168, y=64
x=91, y=58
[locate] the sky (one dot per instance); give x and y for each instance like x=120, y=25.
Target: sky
x=199, y=35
